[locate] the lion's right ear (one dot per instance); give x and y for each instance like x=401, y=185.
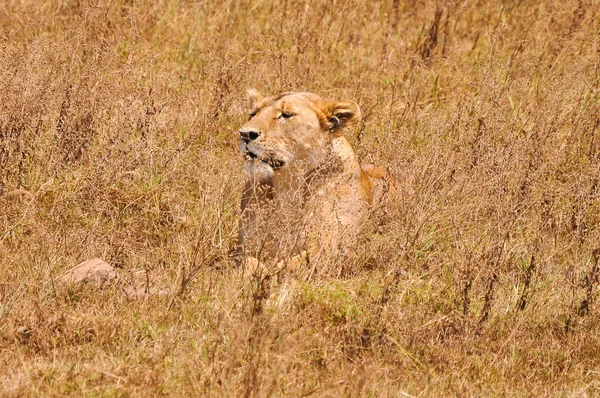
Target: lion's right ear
x=342, y=116
x=254, y=97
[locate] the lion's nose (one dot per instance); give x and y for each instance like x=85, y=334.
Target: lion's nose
x=249, y=135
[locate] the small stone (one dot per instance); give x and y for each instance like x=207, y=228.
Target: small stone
x=91, y=271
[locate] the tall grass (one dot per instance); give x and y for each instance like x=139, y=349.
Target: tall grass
x=117, y=140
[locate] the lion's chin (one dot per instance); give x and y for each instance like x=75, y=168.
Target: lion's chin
x=259, y=170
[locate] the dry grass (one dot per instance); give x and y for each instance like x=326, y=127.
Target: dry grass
x=117, y=123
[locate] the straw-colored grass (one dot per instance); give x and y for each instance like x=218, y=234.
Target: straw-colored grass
x=118, y=123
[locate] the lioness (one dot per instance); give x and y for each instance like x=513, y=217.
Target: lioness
x=305, y=192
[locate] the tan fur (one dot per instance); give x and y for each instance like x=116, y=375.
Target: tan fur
x=305, y=192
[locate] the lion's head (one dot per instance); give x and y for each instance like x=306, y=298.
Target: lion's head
x=291, y=133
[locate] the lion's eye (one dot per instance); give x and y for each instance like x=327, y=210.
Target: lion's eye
x=286, y=115
x=251, y=115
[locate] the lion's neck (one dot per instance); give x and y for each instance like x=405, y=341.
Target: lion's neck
x=342, y=149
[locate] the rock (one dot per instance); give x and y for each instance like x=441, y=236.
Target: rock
x=94, y=271
x=135, y=284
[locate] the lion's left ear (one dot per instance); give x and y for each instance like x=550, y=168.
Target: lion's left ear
x=342, y=115
x=253, y=97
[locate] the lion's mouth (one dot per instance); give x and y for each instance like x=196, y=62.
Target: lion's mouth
x=250, y=155
x=274, y=163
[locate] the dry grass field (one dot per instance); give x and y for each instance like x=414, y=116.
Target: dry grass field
x=118, y=123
